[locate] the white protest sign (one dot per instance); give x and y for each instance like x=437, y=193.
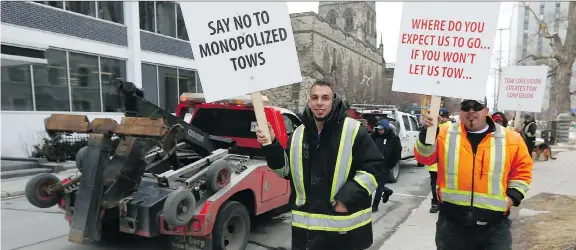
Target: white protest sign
x=444, y=48
x=522, y=88
x=241, y=47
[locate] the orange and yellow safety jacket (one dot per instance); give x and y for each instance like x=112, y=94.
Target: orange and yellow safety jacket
x=475, y=186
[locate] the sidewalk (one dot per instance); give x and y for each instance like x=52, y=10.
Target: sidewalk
x=552, y=176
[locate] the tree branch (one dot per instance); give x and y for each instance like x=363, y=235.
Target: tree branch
x=537, y=57
x=543, y=28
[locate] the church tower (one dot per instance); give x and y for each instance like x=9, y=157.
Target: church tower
x=356, y=18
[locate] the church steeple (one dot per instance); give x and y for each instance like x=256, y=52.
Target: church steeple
x=381, y=46
x=356, y=18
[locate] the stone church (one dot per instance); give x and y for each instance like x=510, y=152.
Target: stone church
x=340, y=44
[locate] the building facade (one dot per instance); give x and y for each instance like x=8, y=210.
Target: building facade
x=526, y=40
x=64, y=57
x=338, y=43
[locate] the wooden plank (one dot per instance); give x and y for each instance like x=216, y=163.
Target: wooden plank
x=141, y=126
x=67, y=123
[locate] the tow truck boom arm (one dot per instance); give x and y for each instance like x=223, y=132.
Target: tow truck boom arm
x=136, y=106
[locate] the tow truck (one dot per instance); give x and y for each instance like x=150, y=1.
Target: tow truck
x=196, y=177
x=406, y=126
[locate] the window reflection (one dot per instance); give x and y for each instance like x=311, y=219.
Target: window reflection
x=51, y=83
x=16, y=87
x=166, y=20
x=111, y=70
x=150, y=82
x=111, y=11
x=82, y=7
x=147, y=16
x=84, y=83
x=186, y=81
x=168, y=88
x=180, y=25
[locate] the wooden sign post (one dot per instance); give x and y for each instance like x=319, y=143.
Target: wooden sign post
x=258, y=104
x=434, y=111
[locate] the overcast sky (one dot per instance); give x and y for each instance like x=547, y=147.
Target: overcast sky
x=388, y=16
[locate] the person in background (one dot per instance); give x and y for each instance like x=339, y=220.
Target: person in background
x=444, y=120
x=500, y=118
x=529, y=132
x=483, y=170
x=332, y=165
x=389, y=145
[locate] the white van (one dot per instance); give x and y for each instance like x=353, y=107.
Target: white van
x=406, y=125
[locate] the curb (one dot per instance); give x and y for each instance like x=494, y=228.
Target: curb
x=6, y=195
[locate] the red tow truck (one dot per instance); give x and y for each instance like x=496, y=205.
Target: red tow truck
x=197, y=177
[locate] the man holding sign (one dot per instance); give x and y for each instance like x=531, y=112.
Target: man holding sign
x=333, y=166
x=483, y=170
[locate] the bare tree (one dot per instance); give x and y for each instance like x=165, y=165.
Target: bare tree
x=560, y=60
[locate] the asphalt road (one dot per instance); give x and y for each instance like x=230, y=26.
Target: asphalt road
x=29, y=228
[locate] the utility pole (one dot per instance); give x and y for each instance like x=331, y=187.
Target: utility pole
x=496, y=89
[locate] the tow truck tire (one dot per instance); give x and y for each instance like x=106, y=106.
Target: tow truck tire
x=179, y=207
x=218, y=175
x=80, y=158
x=394, y=174
x=35, y=194
x=232, y=227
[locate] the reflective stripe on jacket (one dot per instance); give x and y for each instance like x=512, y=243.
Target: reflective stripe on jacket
x=294, y=167
x=434, y=167
x=480, y=180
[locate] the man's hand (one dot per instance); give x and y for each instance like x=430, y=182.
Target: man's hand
x=262, y=139
x=340, y=208
x=510, y=203
x=429, y=120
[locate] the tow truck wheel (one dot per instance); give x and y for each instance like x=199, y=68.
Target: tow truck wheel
x=37, y=193
x=232, y=226
x=394, y=173
x=218, y=175
x=80, y=158
x=179, y=207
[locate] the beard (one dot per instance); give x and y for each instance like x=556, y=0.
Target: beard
x=320, y=119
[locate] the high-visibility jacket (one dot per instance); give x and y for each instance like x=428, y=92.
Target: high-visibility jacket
x=434, y=167
x=315, y=224
x=501, y=168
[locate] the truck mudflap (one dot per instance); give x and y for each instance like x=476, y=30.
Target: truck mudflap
x=139, y=212
x=180, y=242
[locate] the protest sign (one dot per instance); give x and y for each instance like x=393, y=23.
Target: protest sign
x=444, y=49
x=445, y=52
x=522, y=88
x=241, y=47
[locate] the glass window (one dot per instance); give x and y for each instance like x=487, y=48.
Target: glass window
x=16, y=87
x=111, y=10
x=413, y=123
x=147, y=16
x=406, y=123
x=85, y=84
x=166, y=18
x=181, y=26
x=111, y=70
x=82, y=7
x=150, y=82
x=186, y=81
x=168, y=88
x=51, y=83
x=199, y=83
x=57, y=4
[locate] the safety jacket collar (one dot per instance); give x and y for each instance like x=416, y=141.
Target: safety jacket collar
x=489, y=121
